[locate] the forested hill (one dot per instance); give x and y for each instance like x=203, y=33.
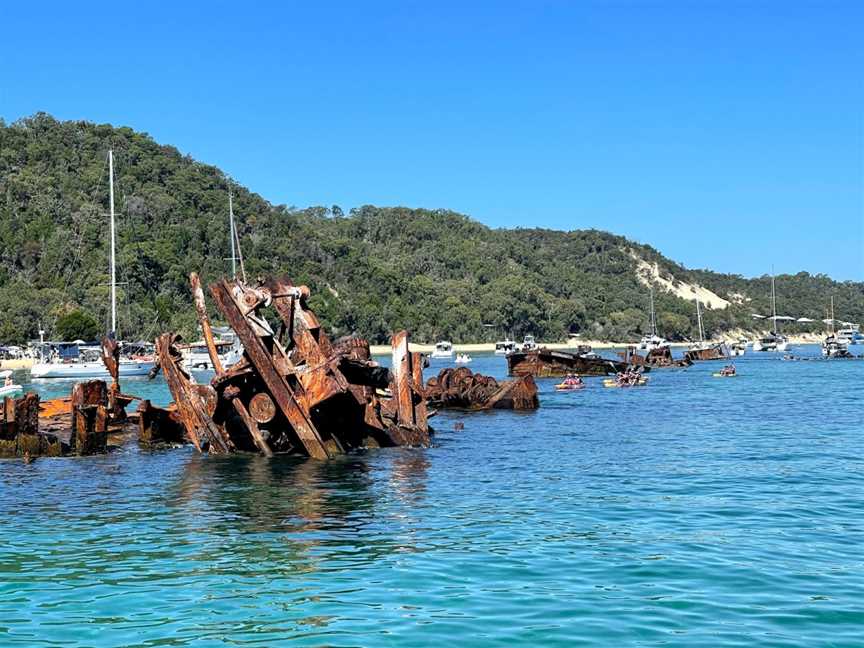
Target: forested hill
x=374, y=270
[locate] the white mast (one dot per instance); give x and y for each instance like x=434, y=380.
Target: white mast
x=231, y=221
x=653, y=317
x=113, y=259
x=699, y=319
x=773, y=304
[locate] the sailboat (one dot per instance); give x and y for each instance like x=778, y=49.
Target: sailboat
x=774, y=341
x=834, y=345
x=705, y=350
x=196, y=356
x=653, y=341
x=77, y=359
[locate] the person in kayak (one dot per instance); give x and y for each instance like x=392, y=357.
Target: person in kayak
x=572, y=380
x=728, y=370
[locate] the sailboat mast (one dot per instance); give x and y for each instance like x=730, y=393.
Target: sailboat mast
x=113, y=257
x=773, y=305
x=699, y=319
x=653, y=316
x=231, y=221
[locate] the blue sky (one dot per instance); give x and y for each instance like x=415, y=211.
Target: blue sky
x=727, y=135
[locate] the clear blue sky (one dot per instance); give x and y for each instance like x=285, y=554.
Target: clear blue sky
x=727, y=135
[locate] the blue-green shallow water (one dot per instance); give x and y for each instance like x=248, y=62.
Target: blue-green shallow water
x=693, y=512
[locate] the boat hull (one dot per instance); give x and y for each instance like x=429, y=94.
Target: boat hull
x=545, y=363
x=89, y=369
x=658, y=358
x=713, y=352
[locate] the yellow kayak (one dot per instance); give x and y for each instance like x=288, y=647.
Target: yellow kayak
x=611, y=382
x=564, y=387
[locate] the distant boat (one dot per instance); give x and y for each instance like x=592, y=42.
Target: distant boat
x=774, y=341
x=463, y=358
x=75, y=359
x=505, y=347
x=835, y=345
x=652, y=341
x=443, y=350
x=528, y=343
x=196, y=357
x=738, y=348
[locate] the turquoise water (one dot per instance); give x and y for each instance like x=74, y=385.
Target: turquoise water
x=693, y=512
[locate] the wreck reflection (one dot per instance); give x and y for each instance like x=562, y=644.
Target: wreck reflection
x=324, y=511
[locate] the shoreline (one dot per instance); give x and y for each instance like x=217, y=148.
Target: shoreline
x=489, y=347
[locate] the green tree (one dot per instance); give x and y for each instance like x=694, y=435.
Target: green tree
x=77, y=324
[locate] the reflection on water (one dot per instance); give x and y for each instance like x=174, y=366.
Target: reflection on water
x=692, y=512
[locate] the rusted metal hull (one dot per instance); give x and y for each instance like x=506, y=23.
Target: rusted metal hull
x=655, y=358
x=294, y=391
x=713, y=352
x=544, y=363
x=83, y=424
x=460, y=388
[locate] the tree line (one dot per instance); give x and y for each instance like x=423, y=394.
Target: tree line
x=372, y=270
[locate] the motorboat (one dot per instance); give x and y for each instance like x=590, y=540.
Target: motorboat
x=528, y=343
x=836, y=345
x=196, y=357
x=443, y=351
x=505, y=347
x=7, y=387
x=832, y=347
x=738, y=348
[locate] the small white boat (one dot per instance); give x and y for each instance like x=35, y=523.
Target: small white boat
x=443, y=350
x=528, y=343
x=7, y=387
x=463, y=358
x=196, y=357
x=738, y=348
x=505, y=347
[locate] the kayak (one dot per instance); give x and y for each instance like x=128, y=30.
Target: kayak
x=717, y=374
x=611, y=382
x=563, y=387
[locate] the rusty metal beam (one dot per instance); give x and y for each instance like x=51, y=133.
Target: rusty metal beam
x=402, y=377
x=204, y=321
x=199, y=425
x=261, y=354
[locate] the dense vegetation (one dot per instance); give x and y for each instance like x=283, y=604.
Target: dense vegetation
x=437, y=273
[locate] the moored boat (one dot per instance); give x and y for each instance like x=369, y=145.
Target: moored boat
x=504, y=347
x=77, y=360
x=443, y=350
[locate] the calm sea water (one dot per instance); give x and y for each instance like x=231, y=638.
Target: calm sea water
x=693, y=512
